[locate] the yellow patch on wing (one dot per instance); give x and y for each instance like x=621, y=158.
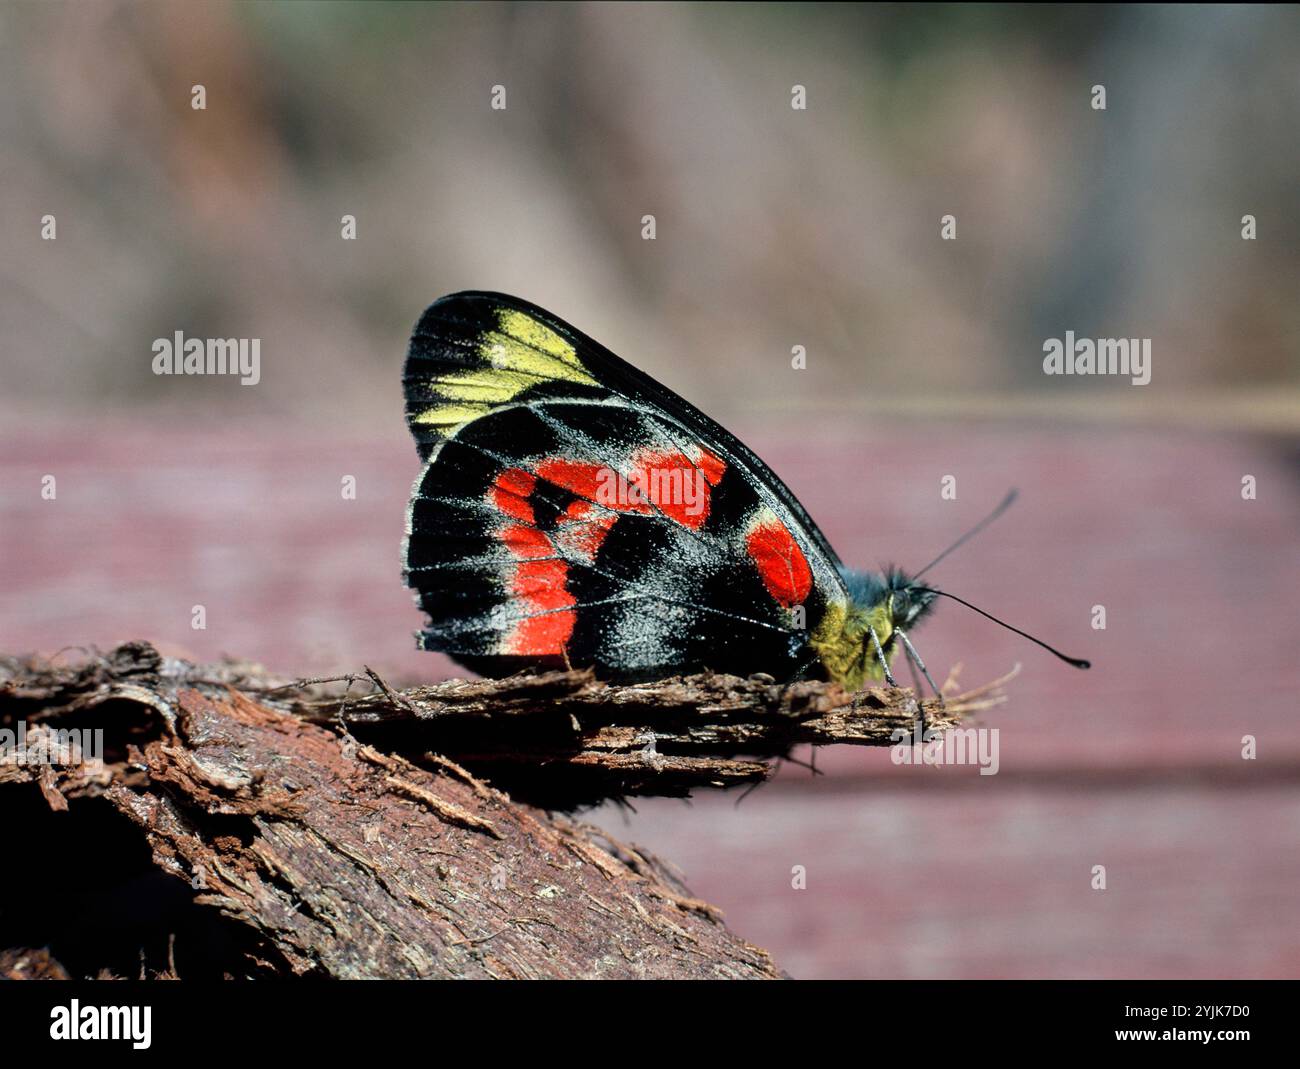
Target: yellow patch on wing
x=525, y=328
x=451, y=415
x=527, y=347
x=520, y=354
x=490, y=385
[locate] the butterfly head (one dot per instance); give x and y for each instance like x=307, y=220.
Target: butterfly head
x=883, y=606
x=907, y=599
x=887, y=600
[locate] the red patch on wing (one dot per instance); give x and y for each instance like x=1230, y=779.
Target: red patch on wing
x=674, y=483
x=540, y=585
x=713, y=467
x=537, y=580
x=780, y=561
x=526, y=543
x=509, y=494
x=583, y=528
x=584, y=480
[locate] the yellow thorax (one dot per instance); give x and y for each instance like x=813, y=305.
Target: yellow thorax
x=844, y=645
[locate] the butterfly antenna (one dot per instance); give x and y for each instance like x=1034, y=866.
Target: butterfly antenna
x=1006, y=504
x=1077, y=662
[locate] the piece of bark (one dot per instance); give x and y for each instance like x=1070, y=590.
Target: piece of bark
x=312, y=833
x=24, y=963
x=565, y=738
x=327, y=857
x=560, y=739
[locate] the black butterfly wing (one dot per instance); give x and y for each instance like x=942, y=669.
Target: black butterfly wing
x=573, y=510
x=448, y=339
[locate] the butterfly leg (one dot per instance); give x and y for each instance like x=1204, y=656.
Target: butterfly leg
x=915, y=658
x=880, y=656
x=916, y=688
x=884, y=664
x=800, y=673
x=916, y=676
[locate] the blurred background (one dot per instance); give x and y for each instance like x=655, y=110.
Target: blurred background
x=775, y=227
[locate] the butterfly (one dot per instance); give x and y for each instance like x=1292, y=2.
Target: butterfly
x=573, y=512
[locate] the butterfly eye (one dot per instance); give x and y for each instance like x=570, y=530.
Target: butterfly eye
x=900, y=607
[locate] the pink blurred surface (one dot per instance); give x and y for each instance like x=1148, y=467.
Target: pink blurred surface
x=1135, y=765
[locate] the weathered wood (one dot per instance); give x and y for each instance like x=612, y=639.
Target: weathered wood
x=565, y=738
x=354, y=835
x=558, y=739
x=327, y=857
